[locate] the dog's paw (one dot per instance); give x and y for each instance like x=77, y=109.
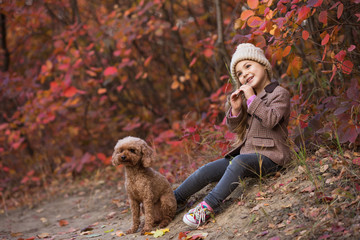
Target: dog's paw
x=145, y=230
x=164, y=223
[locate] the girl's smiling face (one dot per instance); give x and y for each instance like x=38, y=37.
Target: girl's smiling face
x=253, y=74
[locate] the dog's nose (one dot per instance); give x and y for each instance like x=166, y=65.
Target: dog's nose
x=123, y=157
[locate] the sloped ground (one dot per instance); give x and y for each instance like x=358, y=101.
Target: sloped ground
x=318, y=200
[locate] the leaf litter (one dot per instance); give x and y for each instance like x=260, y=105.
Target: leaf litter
x=293, y=205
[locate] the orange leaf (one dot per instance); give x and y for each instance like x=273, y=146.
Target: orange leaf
x=147, y=61
x=323, y=17
x=193, y=61
x=119, y=233
x=351, y=48
x=324, y=54
x=303, y=12
x=91, y=73
x=238, y=24
x=110, y=71
x=70, y=91
x=356, y=161
x=325, y=39
x=340, y=10
x=254, y=21
x=305, y=35
x=318, y=4
x=63, y=222
x=286, y=51
x=175, y=85
x=295, y=66
x=105, y=160
x=253, y=4
x=208, y=52
x=347, y=67
x=49, y=65
x=182, y=235
x=101, y=90
x=246, y=14
x=340, y=56
x=333, y=72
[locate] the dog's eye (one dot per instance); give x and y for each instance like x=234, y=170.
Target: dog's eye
x=132, y=150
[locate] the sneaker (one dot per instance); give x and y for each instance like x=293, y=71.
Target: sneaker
x=198, y=215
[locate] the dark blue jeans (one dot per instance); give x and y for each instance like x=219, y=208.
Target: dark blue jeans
x=227, y=173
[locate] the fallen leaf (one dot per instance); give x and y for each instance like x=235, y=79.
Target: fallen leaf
x=287, y=206
x=63, y=222
x=195, y=236
x=125, y=211
x=356, y=161
x=43, y=220
x=93, y=235
x=43, y=235
x=301, y=169
x=323, y=168
x=308, y=189
x=118, y=202
x=275, y=238
x=325, y=236
x=119, y=233
x=159, y=233
x=256, y=208
x=331, y=180
x=259, y=198
x=281, y=225
x=182, y=235
x=111, y=215
x=271, y=225
x=86, y=233
x=16, y=234
x=108, y=231
x=262, y=233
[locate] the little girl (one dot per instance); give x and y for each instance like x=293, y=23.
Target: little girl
x=260, y=123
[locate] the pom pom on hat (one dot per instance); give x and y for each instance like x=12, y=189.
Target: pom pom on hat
x=247, y=51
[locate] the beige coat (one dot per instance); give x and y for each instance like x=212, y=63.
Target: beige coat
x=268, y=118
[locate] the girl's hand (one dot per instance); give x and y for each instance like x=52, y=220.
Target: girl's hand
x=247, y=90
x=235, y=102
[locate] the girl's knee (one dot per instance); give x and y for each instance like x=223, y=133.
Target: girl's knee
x=238, y=161
x=200, y=172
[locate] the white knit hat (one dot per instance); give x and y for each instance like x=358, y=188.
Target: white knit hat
x=247, y=51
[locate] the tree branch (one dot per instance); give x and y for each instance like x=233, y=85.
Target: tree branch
x=75, y=11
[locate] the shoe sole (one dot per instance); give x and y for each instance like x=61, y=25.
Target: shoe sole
x=188, y=222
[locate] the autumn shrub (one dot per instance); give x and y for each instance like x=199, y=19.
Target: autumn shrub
x=78, y=75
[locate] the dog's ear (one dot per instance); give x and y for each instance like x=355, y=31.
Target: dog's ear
x=113, y=160
x=148, y=155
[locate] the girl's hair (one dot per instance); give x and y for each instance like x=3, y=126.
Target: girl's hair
x=241, y=128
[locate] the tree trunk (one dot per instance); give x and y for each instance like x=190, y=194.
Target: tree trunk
x=6, y=64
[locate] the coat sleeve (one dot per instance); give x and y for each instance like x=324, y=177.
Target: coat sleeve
x=272, y=113
x=233, y=122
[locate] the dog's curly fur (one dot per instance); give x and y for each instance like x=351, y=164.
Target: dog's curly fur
x=144, y=185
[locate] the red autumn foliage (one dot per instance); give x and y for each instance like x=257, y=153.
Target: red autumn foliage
x=76, y=76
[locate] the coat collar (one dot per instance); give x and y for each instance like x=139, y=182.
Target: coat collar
x=269, y=89
x=271, y=86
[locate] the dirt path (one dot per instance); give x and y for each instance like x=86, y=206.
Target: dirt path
x=280, y=208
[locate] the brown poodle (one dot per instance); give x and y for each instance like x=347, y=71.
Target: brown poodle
x=144, y=185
